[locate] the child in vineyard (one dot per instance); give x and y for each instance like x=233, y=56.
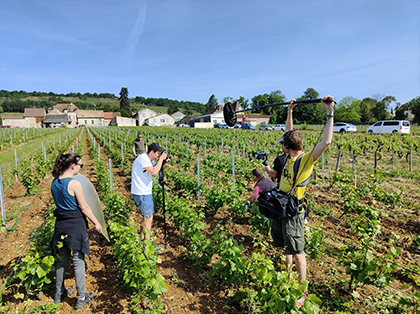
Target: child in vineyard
x=262, y=184
x=288, y=233
x=71, y=226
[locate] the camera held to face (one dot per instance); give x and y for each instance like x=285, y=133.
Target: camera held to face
x=167, y=158
x=260, y=155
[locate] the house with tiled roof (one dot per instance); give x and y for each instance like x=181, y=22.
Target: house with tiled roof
x=178, y=116
x=71, y=110
x=108, y=116
x=14, y=121
x=56, y=119
x=144, y=114
x=90, y=117
x=34, y=116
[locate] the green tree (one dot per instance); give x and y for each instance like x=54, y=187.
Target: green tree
x=212, y=102
x=380, y=109
x=366, y=106
x=172, y=109
x=244, y=102
x=124, y=101
x=347, y=110
x=124, y=113
x=274, y=97
x=307, y=113
x=187, y=109
x=227, y=99
x=414, y=106
x=399, y=111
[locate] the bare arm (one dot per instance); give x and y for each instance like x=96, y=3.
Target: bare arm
x=154, y=170
x=75, y=188
x=271, y=173
x=134, y=150
x=328, y=133
x=289, y=120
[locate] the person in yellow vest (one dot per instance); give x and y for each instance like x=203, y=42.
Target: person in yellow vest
x=288, y=233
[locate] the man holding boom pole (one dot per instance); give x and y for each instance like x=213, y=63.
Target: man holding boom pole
x=288, y=233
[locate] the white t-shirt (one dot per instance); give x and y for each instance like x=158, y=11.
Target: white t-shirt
x=141, y=179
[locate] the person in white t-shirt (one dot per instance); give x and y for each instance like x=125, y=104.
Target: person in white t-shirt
x=144, y=167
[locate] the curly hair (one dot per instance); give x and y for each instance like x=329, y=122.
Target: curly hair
x=63, y=162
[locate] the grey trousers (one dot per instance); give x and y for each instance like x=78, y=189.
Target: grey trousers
x=79, y=271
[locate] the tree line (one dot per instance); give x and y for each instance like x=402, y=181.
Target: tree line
x=348, y=109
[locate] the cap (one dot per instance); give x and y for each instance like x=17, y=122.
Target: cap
x=155, y=147
x=284, y=136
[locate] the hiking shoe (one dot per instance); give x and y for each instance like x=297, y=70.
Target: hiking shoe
x=60, y=297
x=300, y=302
x=88, y=298
x=158, y=250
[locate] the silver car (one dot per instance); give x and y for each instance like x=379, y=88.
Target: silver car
x=280, y=127
x=265, y=127
x=343, y=127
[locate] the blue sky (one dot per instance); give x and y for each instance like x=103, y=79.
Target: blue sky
x=189, y=50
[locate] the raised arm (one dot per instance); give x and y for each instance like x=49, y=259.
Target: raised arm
x=328, y=133
x=289, y=120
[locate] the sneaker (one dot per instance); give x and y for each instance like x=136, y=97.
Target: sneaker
x=158, y=250
x=60, y=297
x=88, y=298
x=300, y=302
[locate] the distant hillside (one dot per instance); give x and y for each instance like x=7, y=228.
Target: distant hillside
x=17, y=101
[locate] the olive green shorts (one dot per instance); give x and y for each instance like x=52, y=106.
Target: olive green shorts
x=288, y=233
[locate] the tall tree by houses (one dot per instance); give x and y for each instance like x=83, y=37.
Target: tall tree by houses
x=124, y=102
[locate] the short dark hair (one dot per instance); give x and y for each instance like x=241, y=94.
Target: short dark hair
x=258, y=173
x=154, y=147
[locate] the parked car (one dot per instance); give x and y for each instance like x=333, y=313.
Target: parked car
x=280, y=127
x=265, y=127
x=237, y=126
x=247, y=126
x=389, y=126
x=184, y=126
x=221, y=126
x=343, y=127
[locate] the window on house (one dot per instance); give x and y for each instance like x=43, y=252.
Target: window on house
x=162, y=120
x=85, y=121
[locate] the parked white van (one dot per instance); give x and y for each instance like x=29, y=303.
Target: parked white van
x=390, y=126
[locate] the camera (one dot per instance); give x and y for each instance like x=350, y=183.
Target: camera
x=164, y=161
x=260, y=155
